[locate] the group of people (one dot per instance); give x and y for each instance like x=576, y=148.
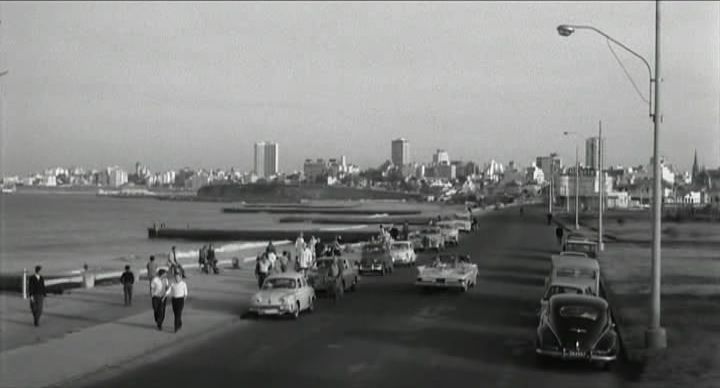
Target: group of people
x=166, y=284
x=207, y=260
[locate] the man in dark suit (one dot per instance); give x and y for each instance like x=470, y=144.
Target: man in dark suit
x=36, y=292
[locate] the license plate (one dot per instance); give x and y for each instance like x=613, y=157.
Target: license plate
x=440, y=280
x=576, y=354
x=270, y=311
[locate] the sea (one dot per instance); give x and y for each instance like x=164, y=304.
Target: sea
x=62, y=231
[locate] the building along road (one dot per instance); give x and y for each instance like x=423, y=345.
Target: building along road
x=391, y=334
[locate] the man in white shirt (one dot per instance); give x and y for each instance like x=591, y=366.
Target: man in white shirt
x=272, y=258
x=299, y=246
x=305, y=259
x=158, y=290
x=178, y=292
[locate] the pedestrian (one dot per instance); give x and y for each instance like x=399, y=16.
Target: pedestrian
x=334, y=274
x=202, y=259
x=158, y=290
x=559, y=234
x=299, y=245
x=304, y=261
x=37, y=293
x=151, y=268
x=270, y=248
x=262, y=269
x=284, y=261
x=272, y=257
x=406, y=230
x=212, y=259
x=394, y=232
x=178, y=292
x=127, y=279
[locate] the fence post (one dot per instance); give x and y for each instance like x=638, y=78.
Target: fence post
x=24, y=283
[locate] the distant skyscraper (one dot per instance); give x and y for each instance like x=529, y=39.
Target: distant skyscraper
x=400, y=152
x=266, y=159
x=592, y=147
x=441, y=157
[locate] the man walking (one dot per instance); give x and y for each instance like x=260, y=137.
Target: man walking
x=36, y=292
x=127, y=279
x=158, y=290
x=212, y=260
x=202, y=259
x=178, y=292
x=151, y=268
x=262, y=269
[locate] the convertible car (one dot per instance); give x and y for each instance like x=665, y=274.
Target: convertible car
x=283, y=294
x=577, y=327
x=402, y=253
x=448, y=271
x=318, y=276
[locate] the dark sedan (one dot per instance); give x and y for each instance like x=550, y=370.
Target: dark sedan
x=577, y=327
x=375, y=258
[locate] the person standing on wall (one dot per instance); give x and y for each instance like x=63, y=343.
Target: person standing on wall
x=178, y=292
x=37, y=293
x=127, y=279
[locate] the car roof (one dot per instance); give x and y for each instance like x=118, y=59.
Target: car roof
x=578, y=299
x=574, y=261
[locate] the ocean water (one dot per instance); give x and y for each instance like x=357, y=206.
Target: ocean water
x=62, y=232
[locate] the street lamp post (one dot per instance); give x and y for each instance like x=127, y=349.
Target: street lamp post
x=655, y=335
x=577, y=179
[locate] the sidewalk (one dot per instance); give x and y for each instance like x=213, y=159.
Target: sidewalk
x=690, y=310
x=86, y=331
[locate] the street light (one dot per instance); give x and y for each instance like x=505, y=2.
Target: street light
x=655, y=335
x=577, y=178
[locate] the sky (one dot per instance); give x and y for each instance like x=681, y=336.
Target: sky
x=196, y=84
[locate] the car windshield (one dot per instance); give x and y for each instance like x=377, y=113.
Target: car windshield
x=373, y=248
x=580, y=247
x=274, y=283
x=399, y=246
x=581, y=312
x=570, y=272
x=554, y=290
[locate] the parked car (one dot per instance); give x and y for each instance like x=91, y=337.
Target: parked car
x=577, y=327
x=318, y=277
x=564, y=285
x=583, y=245
x=450, y=233
x=448, y=271
x=402, y=253
x=433, y=238
x=375, y=258
x=285, y=293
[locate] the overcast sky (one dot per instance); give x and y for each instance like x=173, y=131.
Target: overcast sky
x=196, y=84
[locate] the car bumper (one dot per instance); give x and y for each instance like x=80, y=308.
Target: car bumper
x=435, y=284
x=270, y=310
x=572, y=355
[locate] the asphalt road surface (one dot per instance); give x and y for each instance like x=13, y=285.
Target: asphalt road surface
x=390, y=334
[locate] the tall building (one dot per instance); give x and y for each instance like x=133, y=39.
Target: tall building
x=266, y=159
x=550, y=165
x=400, y=152
x=441, y=157
x=592, y=148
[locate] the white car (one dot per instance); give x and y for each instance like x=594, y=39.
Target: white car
x=447, y=271
x=450, y=232
x=283, y=294
x=402, y=253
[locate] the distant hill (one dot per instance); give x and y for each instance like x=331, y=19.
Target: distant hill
x=281, y=193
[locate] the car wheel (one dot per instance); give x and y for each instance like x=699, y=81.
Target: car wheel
x=311, y=304
x=296, y=312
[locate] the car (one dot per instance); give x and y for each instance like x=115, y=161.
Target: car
x=462, y=221
x=577, y=327
x=450, y=233
x=416, y=238
x=578, y=286
x=286, y=293
x=578, y=270
x=433, y=238
x=375, y=258
x=448, y=271
x=402, y=253
x=586, y=246
x=319, y=280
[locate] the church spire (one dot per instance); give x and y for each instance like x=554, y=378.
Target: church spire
x=695, y=169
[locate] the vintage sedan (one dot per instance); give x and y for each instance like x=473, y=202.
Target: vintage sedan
x=586, y=246
x=402, y=253
x=319, y=279
x=375, y=258
x=433, y=238
x=448, y=271
x=283, y=294
x=450, y=232
x=577, y=327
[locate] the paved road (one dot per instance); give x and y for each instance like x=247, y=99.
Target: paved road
x=389, y=334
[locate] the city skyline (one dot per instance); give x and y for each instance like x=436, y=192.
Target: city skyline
x=106, y=84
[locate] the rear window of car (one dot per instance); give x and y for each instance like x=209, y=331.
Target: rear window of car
x=580, y=312
x=399, y=246
x=279, y=283
x=582, y=273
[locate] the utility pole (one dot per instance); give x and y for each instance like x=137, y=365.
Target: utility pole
x=601, y=246
x=577, y=186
